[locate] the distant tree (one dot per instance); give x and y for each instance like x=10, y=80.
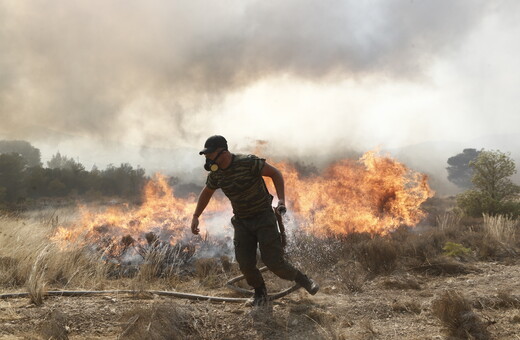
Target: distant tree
x=122, y=181
x=12, y=168
x=63, y=162
x=25, y=149
x=36, y=181
x=494, y=191
x=57, y=188
x=459, y=170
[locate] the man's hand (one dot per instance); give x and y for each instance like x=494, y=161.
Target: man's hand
x=195, y=225
x=281, y=208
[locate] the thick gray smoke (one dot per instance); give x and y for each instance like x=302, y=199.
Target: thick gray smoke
x=103, y=69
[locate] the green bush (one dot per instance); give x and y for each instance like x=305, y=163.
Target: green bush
x=455, y=249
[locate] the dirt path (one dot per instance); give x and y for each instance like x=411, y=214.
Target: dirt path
x=391, y=307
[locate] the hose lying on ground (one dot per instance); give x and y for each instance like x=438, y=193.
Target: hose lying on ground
x=181, y=295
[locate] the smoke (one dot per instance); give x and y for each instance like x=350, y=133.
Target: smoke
x=156, y=72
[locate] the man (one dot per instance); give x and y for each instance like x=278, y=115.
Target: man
x=254, y=222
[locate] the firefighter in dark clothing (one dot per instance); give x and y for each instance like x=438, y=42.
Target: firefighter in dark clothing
x=254, y=222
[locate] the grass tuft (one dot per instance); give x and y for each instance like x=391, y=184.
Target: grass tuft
x=54, y=326
x=456, y=314
x=401, y=282
x=368, y=331
x=164, y=321
x=502, y=228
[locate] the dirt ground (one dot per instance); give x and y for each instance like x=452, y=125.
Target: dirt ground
x=384, y=309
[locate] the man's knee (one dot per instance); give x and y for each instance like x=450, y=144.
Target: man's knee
x=246, y=263
x=247, y=266
x=280, y=267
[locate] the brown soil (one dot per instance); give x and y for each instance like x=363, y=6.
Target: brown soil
x=388, y=307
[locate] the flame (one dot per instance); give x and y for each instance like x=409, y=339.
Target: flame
x=374, y=194
x=116, y=228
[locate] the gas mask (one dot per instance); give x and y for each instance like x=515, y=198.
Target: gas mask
x=211, y=164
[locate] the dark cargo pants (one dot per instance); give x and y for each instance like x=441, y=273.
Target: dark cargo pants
x=261, y=230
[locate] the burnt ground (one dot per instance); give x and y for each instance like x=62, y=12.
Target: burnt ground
x=398, y=306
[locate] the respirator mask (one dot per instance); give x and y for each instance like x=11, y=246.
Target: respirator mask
x=211, y=164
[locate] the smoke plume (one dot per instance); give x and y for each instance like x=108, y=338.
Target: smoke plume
x=154, y=72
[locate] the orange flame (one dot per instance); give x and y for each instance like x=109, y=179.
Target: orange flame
x=116, y=228
x=374, y=194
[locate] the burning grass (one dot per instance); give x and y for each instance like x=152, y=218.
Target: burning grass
x=152, y=240
x=30, y=259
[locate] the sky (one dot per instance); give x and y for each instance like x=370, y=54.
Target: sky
x=108, y=81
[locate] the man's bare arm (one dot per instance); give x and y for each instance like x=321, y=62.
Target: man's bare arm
x=202, y=202
x=204, y=197
x=270, y=171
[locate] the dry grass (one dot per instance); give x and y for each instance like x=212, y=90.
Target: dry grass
x=30, y=259
x=208, y=271
x=164, y=321
x=368, y=332
x=401, y=282
x=456, y=314
x=502, y=228
x=503, y=300
x=154, y=264
x=36, y=281
x=378, y=255
x=346, y=264
x=463, y=240
x=323, y=323
x=351, y=275
x=54, y=326
x=443, y=265
x=407, y=306
x=448, y=220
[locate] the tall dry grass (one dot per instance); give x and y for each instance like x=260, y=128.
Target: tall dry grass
x=448, y=220
x=30, y=260
x=501, y=227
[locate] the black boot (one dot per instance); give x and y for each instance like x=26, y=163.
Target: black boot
x=260, y=297
x=309, y=284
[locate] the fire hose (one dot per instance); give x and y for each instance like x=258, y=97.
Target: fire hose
x=181, y=295
x=230, y=284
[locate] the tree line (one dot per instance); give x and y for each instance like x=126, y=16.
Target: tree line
x=23, y=177
x=484, y=174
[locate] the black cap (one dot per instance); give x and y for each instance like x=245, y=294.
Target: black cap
x=213, y=143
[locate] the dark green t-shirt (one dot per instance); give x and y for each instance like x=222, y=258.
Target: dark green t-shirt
x=243, y=184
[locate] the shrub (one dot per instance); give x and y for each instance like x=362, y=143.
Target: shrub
x=378, y=255
x=455, y=249
x=458, y=318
